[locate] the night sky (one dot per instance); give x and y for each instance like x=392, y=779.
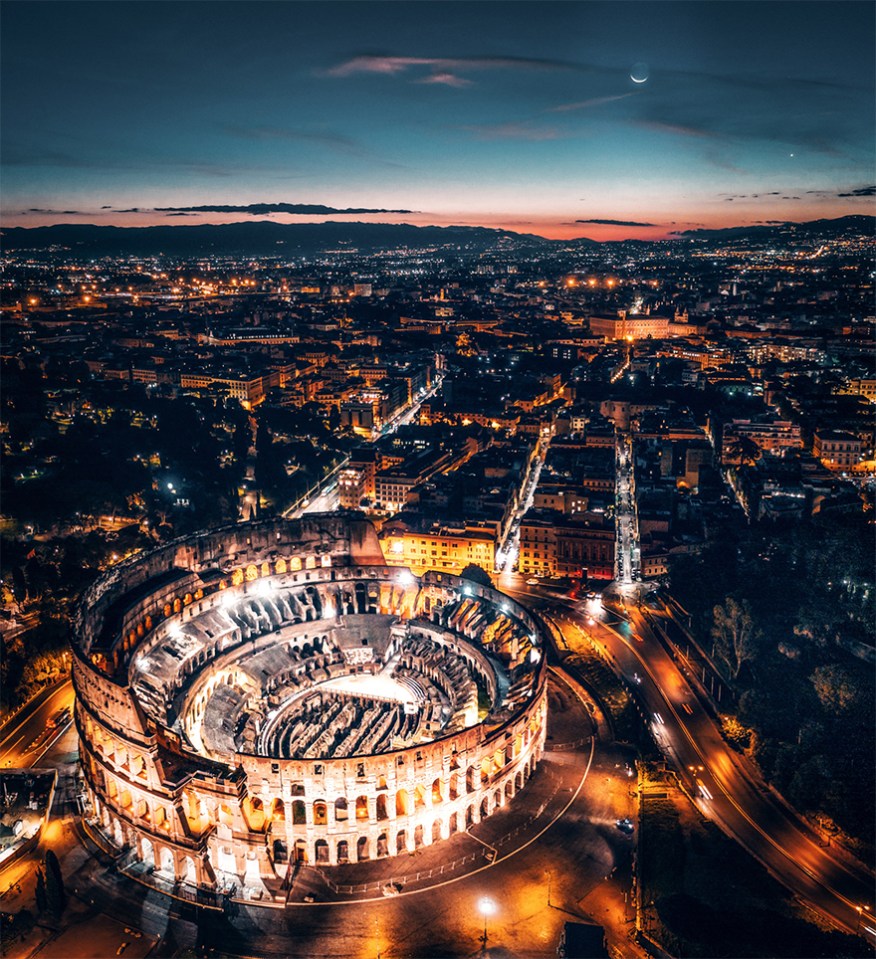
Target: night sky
x=516, y=115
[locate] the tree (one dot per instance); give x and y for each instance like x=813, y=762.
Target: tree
x=734, y=634
x=835, y=688
x=55, y=895
x=742, y=451
x=41, y=901
x=476, y=574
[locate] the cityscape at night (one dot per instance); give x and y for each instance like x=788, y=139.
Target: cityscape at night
x=438, y=479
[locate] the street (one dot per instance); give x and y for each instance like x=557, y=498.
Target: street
x=27, y=736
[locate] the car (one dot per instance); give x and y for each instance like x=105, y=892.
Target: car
x=122, y=948
x=625, y=825
x=532, y=582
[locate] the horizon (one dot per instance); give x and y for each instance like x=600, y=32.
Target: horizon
x=677, y=236
x=564, y=120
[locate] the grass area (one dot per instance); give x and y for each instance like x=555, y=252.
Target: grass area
x=712, y=899
x=591, y=670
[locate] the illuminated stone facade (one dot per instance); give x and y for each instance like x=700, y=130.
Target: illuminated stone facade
x=272, y=692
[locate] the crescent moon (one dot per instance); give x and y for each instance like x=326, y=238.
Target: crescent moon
x=637, y=80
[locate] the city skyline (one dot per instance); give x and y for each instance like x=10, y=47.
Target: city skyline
x=562, y=119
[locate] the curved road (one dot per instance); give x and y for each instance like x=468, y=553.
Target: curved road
x=26, y=737
x=725, y=787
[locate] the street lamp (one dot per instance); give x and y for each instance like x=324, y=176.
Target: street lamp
x=487, y=908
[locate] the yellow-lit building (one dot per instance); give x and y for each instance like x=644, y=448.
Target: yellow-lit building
x=637, y=326
x=837, y=450
x=444, y=548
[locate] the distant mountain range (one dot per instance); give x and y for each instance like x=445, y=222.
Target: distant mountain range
x=264, y=237
x=854, y=225
x=260, y=237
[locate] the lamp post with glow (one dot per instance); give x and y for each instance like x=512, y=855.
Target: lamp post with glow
x=487, y=908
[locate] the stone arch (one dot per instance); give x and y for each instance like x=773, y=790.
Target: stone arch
x=497, y=799
x=254, y=812
x=321, y=850
x=362, y=849
x=452, y=824
x=278, y=811
x=320, y=813
x=470, y=779
x=485, y=807
x=341, y=810
x=361, y=808
x=402, y=803
x=401, y=842
x=436, y=830
x=189, y=871
x=437, y=791
x=454, y=786
x=520, y=779
x=381, y=808
x=509, y=790
x=418, y=836
x=343, y=851
x=300, y=850
x=280, y=850
x=419, y=796
x=382, y=846
x=299, y=814
x=147, y=852
x=166, y=863
x=469, y=817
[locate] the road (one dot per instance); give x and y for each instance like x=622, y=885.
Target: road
x=627, y=555
x=506, y=554
x=326, y=496
x=26, y=737
x=725, y=786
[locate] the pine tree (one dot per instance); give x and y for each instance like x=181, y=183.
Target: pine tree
x=41, y=901
x=55, y=897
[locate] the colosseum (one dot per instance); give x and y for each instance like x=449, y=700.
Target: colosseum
x=271, y=693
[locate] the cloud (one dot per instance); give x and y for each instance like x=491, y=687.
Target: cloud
x=514, y=131
x=617, y=222
x=447, y=79
x=861, y=191
x=34, y=209
x=180, y=214
x=752, y=196
x=106, y=208
x=261, y=209
x=680, y=129
x=586, y=104
x=393, y=66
